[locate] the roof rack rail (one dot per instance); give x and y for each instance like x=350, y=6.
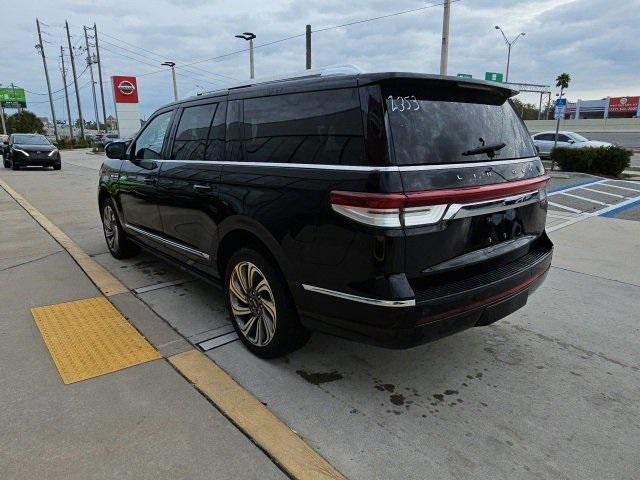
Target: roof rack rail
x=339, y=69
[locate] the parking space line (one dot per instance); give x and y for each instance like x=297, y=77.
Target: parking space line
x=570, y=209
x=598, y=202
x=604, y=193
x=574, y=187
x=622, y=188
x=281, y=443
x=104, y=280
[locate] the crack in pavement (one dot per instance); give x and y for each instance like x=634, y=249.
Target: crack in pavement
x=31, y=261
x=595, y=276
x=564, y=344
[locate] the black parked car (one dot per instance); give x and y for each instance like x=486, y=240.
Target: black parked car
x=391, y=208
x=30, y=149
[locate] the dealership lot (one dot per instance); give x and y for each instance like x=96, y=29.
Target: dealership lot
x=549, y=392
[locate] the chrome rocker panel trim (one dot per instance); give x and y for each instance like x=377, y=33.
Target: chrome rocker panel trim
x=356, y=298
x=161, y=239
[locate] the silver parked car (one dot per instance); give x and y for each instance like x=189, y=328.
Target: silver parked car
x=544, y=141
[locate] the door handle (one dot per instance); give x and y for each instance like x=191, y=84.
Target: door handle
x=149, y=180
x=202, y=188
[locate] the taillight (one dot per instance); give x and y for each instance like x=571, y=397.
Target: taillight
x=385, y=209
x=422, y=208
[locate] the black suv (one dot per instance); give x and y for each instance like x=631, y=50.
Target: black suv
x=30, y=150
x=390, y=208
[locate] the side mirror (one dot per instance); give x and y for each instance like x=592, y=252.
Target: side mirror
x=116, y=150
x=572, y=141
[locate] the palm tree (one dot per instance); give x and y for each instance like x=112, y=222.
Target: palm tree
x=563, y=82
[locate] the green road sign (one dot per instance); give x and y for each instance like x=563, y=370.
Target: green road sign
x=465, y=75
x=13, y=97
x=494, y=77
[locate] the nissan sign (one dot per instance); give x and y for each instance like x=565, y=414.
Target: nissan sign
x=126, y=87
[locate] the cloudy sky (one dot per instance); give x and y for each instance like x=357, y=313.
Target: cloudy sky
x=595, y=41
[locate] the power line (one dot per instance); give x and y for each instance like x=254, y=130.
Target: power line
x=163, y=57
x=323, y=29
x=145, y=57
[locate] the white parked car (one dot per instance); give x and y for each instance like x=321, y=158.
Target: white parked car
x=544, y=141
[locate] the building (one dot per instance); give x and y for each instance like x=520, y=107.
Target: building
x=609, y=107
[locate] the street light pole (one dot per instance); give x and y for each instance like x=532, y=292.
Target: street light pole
x=444, y=52
x=173, y=75
x=249, y=37
x=40, y=47
x=509, y=45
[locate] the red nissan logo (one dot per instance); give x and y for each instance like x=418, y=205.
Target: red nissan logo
x=126, y=87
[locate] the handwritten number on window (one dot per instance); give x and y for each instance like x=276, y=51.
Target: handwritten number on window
x=401, y=104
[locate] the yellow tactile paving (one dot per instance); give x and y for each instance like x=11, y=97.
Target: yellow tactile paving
x=88, y=338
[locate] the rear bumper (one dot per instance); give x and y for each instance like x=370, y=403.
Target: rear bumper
x=433, y=313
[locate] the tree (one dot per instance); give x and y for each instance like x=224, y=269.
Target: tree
x=527, y=111
x=563, y=82
x=24, y=122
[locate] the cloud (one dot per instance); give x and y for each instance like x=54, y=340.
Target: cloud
x=593, y=40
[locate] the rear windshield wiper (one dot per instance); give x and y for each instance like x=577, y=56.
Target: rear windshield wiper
x=490, y=150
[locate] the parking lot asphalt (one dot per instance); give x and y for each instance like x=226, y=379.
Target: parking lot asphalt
x=549, y=392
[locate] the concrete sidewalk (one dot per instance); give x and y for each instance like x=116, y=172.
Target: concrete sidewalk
x=143, y=422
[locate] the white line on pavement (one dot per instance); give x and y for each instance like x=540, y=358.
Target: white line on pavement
x=605, y=193
x=623, y=188
x=574, y=210
x=586, y=199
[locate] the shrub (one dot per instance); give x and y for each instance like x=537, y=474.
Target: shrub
x=604, y=160
x=66, y=143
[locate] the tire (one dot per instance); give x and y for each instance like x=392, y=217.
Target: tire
x=261, y=309
x=14, y=166
x=119, y=245
x=5, y=163
x=57, y=166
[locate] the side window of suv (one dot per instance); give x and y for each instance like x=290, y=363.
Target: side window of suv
x=316, y=127
x=563, y=138
x=149, y=143
x=192, y=135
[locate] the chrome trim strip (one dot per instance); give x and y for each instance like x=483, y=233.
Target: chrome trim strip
x=158, y=238
x=358, y=168
x=357, y=298
x=458, y=210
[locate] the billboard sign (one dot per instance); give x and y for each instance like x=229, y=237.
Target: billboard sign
x=624, y=104
x=126, y=98
x=13, y=97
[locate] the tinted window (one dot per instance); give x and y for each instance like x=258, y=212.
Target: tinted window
x=545, y=136
x=31, y=140
x=442, y=124
x=315, y=127
x=200, y=133
x=563, y=138
x=149, y=143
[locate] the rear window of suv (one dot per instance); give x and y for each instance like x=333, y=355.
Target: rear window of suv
x=438, y=123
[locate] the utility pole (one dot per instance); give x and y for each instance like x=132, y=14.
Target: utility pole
x=104, y=110
x=90, y=63
x=75, y=81
x=173, y=75
x=40, y=47
x=444, y=52
x=66, y=92
x=308, y=35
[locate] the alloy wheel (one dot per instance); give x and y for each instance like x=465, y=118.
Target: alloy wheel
x=252, y=303
x=110, y=226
